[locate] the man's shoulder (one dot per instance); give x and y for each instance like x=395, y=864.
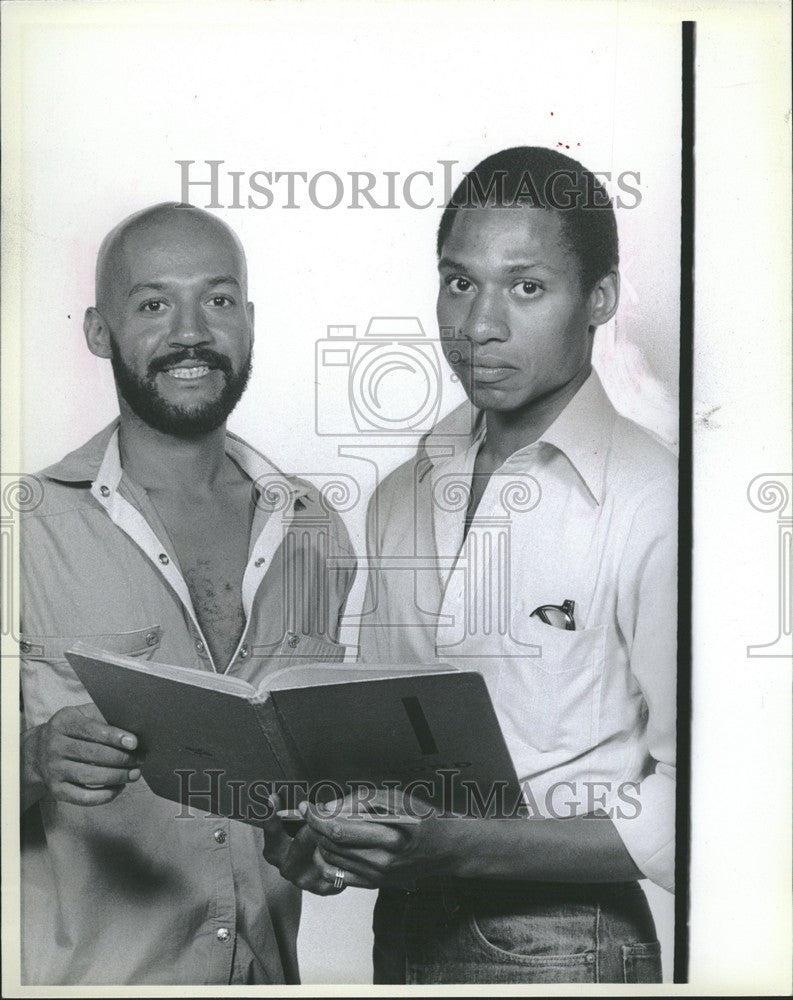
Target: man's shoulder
x=638, y=460
x=400, y=484
x=64, y=485
x=450, y=435
x=641, y=481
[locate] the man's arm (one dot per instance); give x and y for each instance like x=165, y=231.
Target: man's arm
x=582, y=849
x=648, y=617
x=589, y=848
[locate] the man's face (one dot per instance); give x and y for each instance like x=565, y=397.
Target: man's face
x=510, y=290
x=180, y=327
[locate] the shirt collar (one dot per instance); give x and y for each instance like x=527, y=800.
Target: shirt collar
x=581, y=433
x=99, y=460
x=83, y=464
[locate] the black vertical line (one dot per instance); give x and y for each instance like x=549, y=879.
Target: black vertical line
x=685, y=527
x=420, y=726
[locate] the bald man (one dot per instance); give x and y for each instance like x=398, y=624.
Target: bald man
x=157, y=538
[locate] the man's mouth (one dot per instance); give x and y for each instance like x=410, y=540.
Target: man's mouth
x=191, y=367
x=488, y=369
x=186, y=372
x=489, y=373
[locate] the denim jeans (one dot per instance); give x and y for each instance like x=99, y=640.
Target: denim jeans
x=470, y=931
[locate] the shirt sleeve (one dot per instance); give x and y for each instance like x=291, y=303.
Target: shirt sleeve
x=647, y=616
x=372, y=644
x=342, y=573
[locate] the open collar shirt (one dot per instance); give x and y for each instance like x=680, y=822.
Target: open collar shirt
x=125, y=892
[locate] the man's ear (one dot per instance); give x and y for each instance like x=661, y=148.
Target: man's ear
x=605, y=298
x=250, y=311
x=97, y=333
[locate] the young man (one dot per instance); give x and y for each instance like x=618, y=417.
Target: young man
x=556, y=578
x=167, y=537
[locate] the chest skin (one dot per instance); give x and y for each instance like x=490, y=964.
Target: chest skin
x=211, y=533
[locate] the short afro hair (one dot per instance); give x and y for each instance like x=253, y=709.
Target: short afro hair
x=534, y=176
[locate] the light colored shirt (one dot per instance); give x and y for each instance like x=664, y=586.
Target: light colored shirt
x=587, y=513
x=124, y=892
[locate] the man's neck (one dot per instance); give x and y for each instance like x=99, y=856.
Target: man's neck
x=156, y=460
x=508, y=432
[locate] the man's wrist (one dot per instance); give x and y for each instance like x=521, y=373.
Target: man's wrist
x=464, y=841
x=31, y=780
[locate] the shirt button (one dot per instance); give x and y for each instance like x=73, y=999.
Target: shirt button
x=104, y=491
x=164, y=559
x=259, y=562
x=25, y=646
x=243, y=651
x=151, y=638
x=223, y=934
x=293, y=640
x=220, y=836
x=199, y=646
x=590, y=957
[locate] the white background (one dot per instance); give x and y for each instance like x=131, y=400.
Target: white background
x=107, y=102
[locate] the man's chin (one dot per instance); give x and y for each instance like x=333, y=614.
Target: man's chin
x=182, y=421
x=485, y=397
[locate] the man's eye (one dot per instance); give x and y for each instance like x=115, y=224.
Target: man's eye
x=458, y=286
x=221, y=301
x=527, y=289
x=152, y=306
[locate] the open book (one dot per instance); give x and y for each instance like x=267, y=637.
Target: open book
x=319, y=731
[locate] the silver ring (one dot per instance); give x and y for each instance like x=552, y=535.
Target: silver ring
x=338, y=878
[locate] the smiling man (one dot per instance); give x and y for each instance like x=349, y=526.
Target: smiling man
x=164, y=537
x=543, y=546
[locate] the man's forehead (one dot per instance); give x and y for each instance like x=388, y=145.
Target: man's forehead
x=520, y=226
x=506, y=240
x=177, y=257
x=171, y=238
x=170, y=244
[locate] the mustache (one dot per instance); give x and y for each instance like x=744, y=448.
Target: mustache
x=203, y=354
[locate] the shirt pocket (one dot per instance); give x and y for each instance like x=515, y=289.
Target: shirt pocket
x=641, y=962
x=297, y=647
x=48, y=681
x=552, y=699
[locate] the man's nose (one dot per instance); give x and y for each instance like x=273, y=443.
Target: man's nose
x=487, y=318
x=189, y=326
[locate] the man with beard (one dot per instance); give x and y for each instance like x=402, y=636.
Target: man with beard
x=161, y=538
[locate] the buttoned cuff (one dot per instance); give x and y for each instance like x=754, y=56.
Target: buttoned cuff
x=648, y=831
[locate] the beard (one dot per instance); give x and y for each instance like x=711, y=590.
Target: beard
x=146, y=402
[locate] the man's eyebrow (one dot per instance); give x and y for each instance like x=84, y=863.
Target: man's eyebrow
x=141, y=285
x=521, y=265
x=453, y=265
x=224, y=279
